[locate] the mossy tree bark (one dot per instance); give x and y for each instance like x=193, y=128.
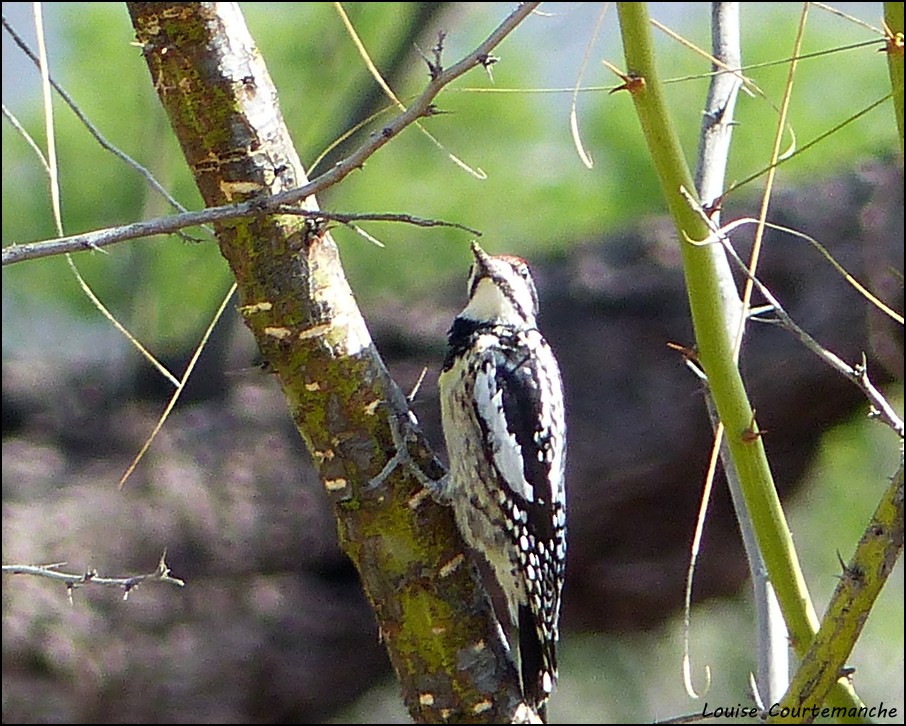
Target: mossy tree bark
x=293, y=295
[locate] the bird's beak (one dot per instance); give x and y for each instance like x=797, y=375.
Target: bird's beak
x=480, y=268
x=481, y=257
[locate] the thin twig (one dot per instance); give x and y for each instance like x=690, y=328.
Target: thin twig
x=772, y=651
x=858, y=374
x=714, y=147
x=180, y=385
x=91, y=577
x=434, y=67
x=422, y=107
x=101, y=238
x=347, y=218
x=92, y=129
x=399, y=431
x=20, y=129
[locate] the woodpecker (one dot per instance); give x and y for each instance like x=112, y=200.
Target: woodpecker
x=503, y=420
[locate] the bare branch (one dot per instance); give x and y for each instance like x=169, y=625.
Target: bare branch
x=423, y=107
x=92, y=129
x=91, y=577
x=858, y=374
x=347, y=218
x=772, y=652
x=101, y=238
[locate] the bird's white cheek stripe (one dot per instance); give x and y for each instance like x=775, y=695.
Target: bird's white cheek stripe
x=523, y=297
x=506, y=450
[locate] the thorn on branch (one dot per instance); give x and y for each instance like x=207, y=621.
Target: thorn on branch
x=854, y=575
x=436, y=68
x=187, y=238
x=893, y=42
x=487, y=60
x=632, y=81
x=713, y=207
x=91, y=577
x=752, y=434
x=759, y=314
x=433, y=110
x=690, y=356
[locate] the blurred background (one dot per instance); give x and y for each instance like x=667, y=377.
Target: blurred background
x=272, y=616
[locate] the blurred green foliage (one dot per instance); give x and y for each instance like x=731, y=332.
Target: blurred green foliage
x=537, y=198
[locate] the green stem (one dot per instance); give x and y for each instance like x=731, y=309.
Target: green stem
x=715, y=346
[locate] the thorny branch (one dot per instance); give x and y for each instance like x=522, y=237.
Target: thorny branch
x=317, y=215
x=858, y=374
x=91, y=577
x=423, y=107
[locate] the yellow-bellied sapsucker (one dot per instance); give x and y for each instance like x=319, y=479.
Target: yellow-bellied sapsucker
x=503, y=420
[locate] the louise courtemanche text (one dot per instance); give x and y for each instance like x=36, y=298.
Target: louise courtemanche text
x=837, y=712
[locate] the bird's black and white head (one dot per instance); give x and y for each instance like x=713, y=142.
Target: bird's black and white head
x=501, y=291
